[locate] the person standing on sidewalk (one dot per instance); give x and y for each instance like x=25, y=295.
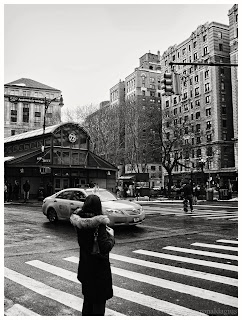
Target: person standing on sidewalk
x=188, y=196
x=26, y=188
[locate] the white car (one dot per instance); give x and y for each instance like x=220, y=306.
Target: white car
x=62, y=204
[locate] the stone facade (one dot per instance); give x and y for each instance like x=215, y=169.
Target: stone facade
x=24, y=106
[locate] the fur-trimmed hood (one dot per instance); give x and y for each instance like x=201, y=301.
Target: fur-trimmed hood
x=88, y=220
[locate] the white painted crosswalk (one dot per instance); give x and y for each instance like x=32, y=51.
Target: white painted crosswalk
x=197, y=212
x=157, y=271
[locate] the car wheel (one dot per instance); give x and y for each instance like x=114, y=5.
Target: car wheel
x=52, y=216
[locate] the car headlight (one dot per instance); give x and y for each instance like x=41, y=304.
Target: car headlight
x=115, y=212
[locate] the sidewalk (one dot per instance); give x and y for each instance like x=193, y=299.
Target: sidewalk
x=145, y=199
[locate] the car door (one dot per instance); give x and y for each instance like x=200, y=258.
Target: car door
x=77, y=199
x=62, y=204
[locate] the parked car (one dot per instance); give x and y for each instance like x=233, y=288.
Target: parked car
x=62, y=204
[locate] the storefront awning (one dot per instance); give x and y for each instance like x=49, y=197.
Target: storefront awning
x=126, y=177
x=8, y=158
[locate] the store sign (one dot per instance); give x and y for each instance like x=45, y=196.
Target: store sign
x=72, y=137
x=18, y=99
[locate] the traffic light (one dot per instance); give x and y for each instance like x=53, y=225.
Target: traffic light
x=167, y=84
x=171, y=83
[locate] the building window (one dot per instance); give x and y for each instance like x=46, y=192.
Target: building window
x=220, y=47
x=175, y=100
x=26, y=113
x=199, y=152
x=37, y=113
x=224, y=136
x=209, y=137
x=13, y=132
x=197, y=103
x=224, y=123
x=197, y=115
x=196, y=91
x=185, y=96
x=206, y=74
x=195, y=56
x=204, y=37
x=196, y=78
x=222, y=86
x=207, y=99
x=198, y=127
x=152, y=80
x=205, y=51
x=208, y=112
x=198, y=140
x=207, y=87
x=209, y=151
x=14, y=112
x=153, y=168
x=175, y=111
x=209, y=125
x=219, y=35
x=167, y=103
x=194, y=44
x=224, y=110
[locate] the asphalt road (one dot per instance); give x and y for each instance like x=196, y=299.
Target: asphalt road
x=172, y=264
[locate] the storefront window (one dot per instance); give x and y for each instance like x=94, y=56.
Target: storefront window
x=75, y=158
x=65, y=157
x=57, y=157
x=82, y=158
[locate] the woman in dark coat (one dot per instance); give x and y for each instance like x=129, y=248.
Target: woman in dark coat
x=94, y=271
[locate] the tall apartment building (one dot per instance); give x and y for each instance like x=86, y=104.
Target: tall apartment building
x=233, y=37
x=206, y=101
x=142, y=96
x=24, y=106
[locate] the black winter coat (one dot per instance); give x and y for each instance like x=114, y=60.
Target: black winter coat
x=94, y=272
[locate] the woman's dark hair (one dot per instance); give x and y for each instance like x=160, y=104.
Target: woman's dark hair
x=93, y=205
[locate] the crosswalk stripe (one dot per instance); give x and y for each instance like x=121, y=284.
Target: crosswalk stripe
x=227, y=241
x=214, y=246
x=141, y=299
x=228, y=216
x=203, y=253
x=178, y=270
x=235, y=219
x=178, y=287
x=66, y=299
x=206, y=263
x=18, y=310
x=209, y=215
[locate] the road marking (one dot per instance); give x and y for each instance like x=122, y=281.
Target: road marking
x=229, y=216
x=189, y=260
x=18, y=310
x=227, y=241
x=178, y=287
x=66, y=299
x=129, y=295
x=178, y=270
x=202, y=253
x=214, y=246
x=236, y=219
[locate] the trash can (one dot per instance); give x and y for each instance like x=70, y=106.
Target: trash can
x=41, y=192
x=223, y=194
x=209, y=194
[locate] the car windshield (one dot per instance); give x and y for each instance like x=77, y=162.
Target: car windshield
x=104, y=195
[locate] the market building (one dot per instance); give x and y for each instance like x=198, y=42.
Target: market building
x=54, y=160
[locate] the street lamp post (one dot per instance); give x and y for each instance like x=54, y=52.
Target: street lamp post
x=47, y=104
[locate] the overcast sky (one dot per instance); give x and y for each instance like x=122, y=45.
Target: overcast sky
x=85, y=49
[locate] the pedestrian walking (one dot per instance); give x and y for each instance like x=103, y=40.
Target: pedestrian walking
x=16, y=190
x=10, y=191
x=94, y=270
x=5, y=191
x=188, y=196
x=26, y=188
x=196, y=193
